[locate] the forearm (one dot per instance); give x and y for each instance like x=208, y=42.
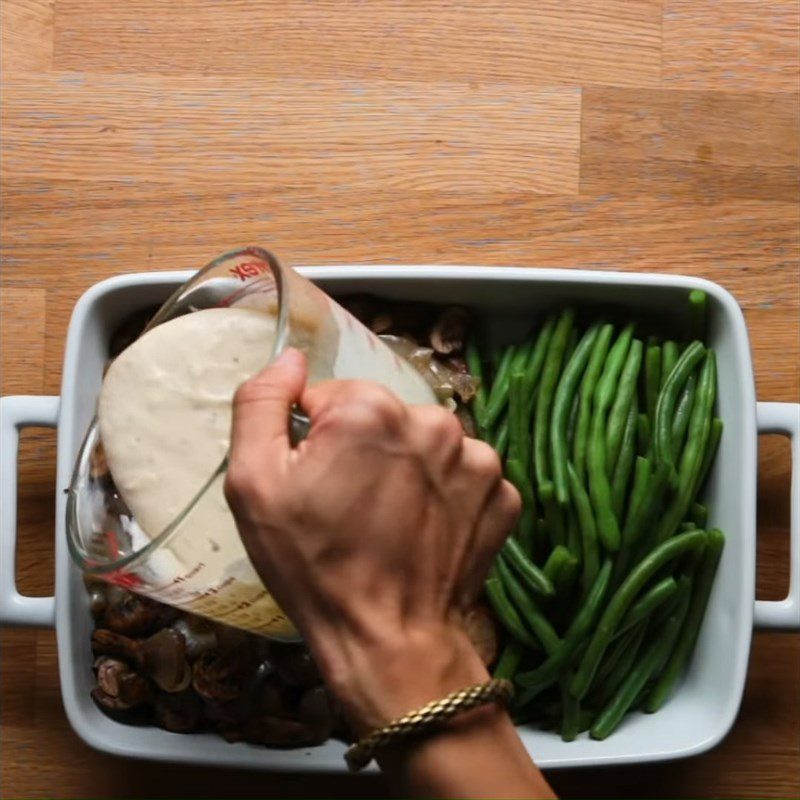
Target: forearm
x=476, y=754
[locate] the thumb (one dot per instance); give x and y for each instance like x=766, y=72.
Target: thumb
x=261, y=408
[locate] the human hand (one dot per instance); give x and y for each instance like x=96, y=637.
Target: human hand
x=371, y=534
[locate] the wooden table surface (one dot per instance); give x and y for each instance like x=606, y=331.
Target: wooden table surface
x=624, y=134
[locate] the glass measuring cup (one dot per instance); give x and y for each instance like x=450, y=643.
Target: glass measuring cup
x=197, y=562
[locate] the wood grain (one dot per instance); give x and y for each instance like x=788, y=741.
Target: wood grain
x=26, y=34
x=252, y=131
x=657, y=135
x=616, y=42
x=705, y=145
x=731, y=44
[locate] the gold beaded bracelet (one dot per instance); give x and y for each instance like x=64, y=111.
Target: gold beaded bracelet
x=427, y=718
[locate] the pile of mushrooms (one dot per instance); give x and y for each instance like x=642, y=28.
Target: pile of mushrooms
x=430, y=337
x=184, y=673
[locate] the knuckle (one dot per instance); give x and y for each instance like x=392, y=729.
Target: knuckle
x=484, y=461
x=509, y=502
x=440, y=426
x=446, y=424
x=367, y=408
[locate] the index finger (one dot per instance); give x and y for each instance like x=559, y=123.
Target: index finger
x=261, y=409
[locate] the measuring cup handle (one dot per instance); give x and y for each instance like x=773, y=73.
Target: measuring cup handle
x=17, y=412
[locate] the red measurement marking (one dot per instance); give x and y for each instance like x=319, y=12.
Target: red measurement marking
x=128, y=580
x=249, y=269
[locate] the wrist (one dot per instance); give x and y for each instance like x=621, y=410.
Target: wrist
x=379, y=678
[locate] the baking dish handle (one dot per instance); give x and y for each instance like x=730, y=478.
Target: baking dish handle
x=17, y=413
x=784, y=614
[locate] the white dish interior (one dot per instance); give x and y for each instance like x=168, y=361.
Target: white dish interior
x=706, y=703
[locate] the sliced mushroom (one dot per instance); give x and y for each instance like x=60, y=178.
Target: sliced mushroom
x=444, y=378
x=448, y=331
x=179, y=712
x=133, y=615
x=221, y=676
x=163, y=658
x=198, y=633
x=115, y=679
x=294, y=664
x=98, y=596
x=467, y=421
x=110, y=643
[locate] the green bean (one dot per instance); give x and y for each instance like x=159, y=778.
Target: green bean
x=573, y=420
x=628, y=649
x=711, y=451
x=507, y=614
x=475, y=366
x=665, y=407
x=527, y=608
x=534, y=367
x=509, y=661
x=684, y=581
x=519, y=436
x=652, y=378
x=669, y=357
x=689, y=471
x=573, y=533
x=622, y=599
x=699, y=514
x=552, y=514
x=679, y=609
x=606, y=387
x=625, y=392
x=526, y=525
x=498, y=395
x=571, y=711
x=583, y=507
x=562, y=405
x=533, y=577
x=500, y=442
x=651, y=600
x=567, y=577
x=683, y=411
x=559, y=556
x=522, y=355
x=610, y=717
x=697, y=313
x=637, y=502
x=687, y=526
x=622, y=468
x=599, y=485
x=643, y=443
x=703, y=584
x=546, y=673
x=586, y=394
x=546, y=392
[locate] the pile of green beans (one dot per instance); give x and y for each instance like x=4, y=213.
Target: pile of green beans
x=602, y=587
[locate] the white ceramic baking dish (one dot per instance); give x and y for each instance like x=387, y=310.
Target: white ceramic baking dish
x=706, y=703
